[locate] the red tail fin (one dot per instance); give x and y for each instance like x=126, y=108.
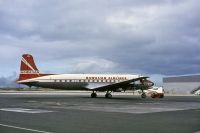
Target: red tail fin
x=28, y=68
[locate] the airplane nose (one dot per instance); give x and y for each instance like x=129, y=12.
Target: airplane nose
x=148, y=83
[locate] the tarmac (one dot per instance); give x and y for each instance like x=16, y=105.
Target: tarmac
x=76, y=112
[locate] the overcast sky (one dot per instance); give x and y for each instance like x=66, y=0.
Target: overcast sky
x=151, y=37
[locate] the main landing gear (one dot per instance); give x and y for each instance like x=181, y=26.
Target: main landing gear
x=93, y=94
x=108, y=95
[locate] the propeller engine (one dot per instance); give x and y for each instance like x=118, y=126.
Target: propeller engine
x=147, y=83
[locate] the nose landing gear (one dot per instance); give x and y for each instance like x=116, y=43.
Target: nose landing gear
x=143, y=95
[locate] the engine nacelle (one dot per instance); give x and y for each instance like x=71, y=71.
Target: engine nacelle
x=147, y=83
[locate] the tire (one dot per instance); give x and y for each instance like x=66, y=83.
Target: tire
x=93, y=95
x=108, y=95
x=143, y=95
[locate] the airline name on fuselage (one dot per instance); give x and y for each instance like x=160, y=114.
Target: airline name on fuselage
x=106, y=78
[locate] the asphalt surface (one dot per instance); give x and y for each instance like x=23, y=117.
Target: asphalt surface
x=78, y=113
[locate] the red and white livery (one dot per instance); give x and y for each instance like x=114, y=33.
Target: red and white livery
x=30, y=75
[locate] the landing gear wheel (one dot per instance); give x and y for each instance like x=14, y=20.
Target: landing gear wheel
x=93, y=95
x=108, y=95
x=143, y=95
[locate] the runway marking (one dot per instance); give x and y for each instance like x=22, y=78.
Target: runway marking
x=27, y=129
x=24, y=110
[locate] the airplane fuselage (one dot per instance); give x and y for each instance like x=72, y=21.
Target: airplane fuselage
x=77, y=81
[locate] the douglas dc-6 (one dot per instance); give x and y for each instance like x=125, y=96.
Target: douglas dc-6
x=30, y=76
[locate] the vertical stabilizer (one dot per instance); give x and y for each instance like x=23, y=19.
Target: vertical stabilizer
x=28, y=68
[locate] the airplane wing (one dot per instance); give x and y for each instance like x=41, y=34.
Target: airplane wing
x=114, y=86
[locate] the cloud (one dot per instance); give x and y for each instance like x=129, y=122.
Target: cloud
x=92, y=65
x=149, y=37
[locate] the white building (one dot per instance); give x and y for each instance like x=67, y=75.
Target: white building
x=181, y=84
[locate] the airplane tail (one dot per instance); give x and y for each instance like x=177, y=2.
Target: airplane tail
x=28, y=68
